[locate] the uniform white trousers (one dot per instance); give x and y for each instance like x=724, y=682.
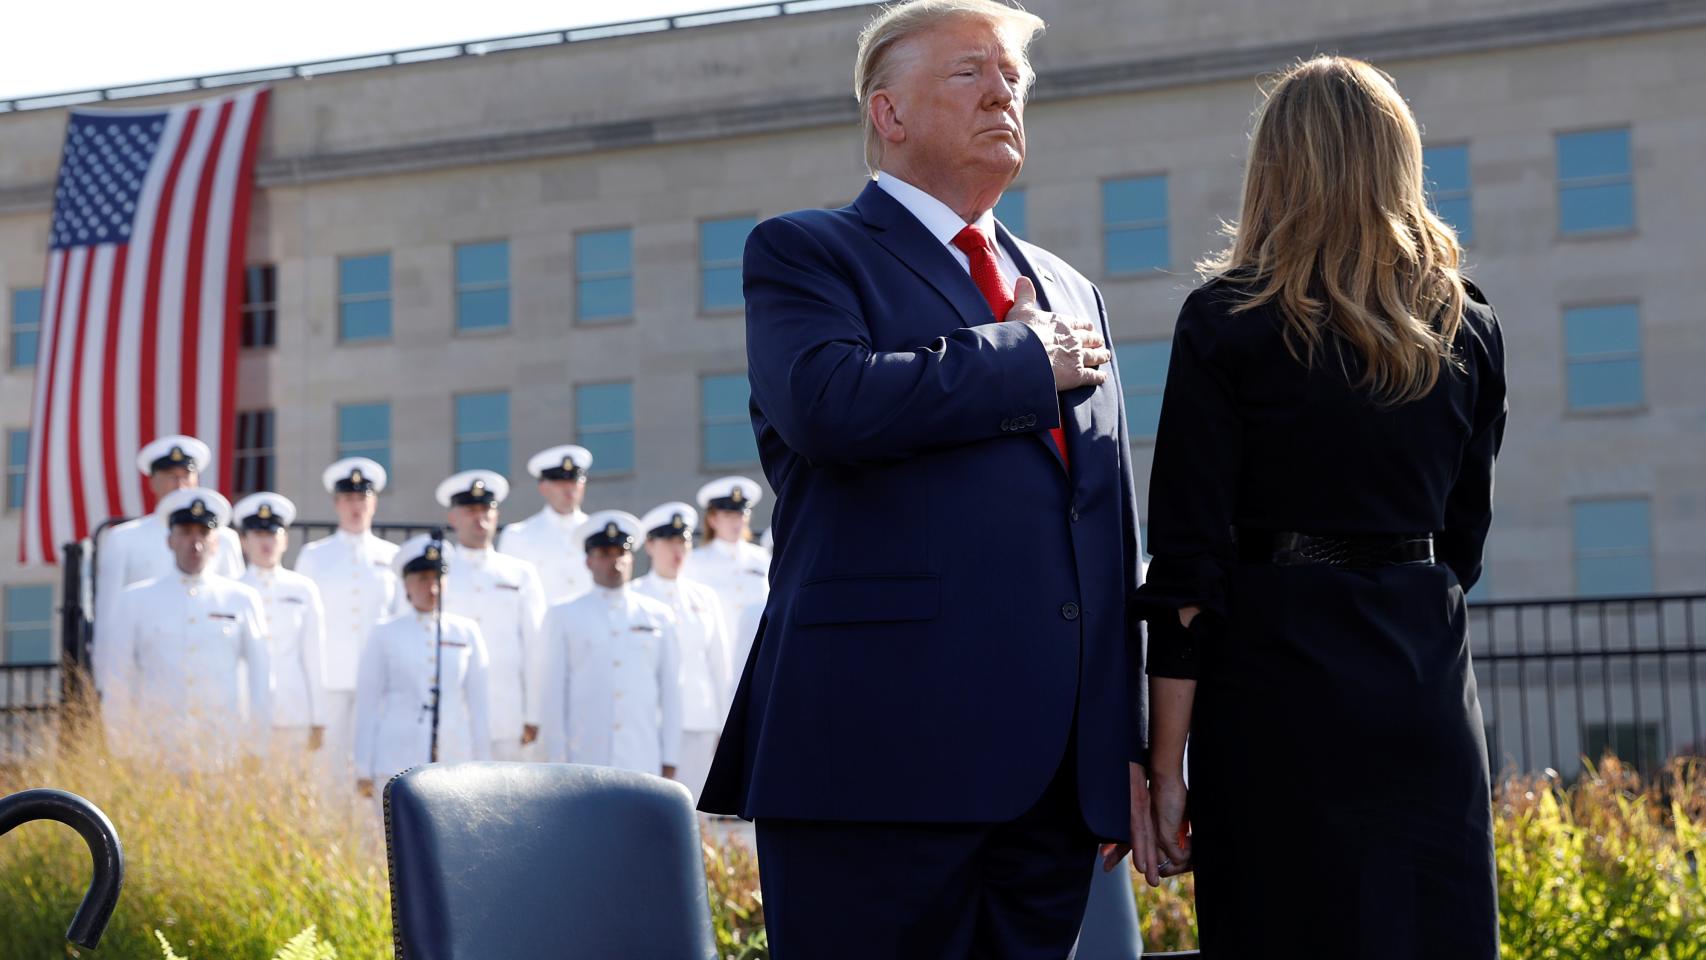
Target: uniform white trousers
x=337, y=753
x=510, y=748
x=698, y=747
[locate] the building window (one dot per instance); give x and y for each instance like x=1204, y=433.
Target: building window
x=1010, y=210
x=604, y=276
x=17, y=467
x=482, y=431
x=364, y=430
x=1143, y=375
x=604, y=424
x=253, y=454
x=29, y=625
x=1596, y=184
x=1637, y=745
x=26, y=326
x=260, y=306
x=1134, y=225
x=1614, y=547
x=482, y=286
x=1448, y=188
x=364, y=298
x=1602, y=346
x=721, y=246
x=725, y=425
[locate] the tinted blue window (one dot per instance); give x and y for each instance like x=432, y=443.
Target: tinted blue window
x=364, y=430
x=721, y=245
x=1614, y=544
x=482, y=286
x=482, y=432
x=604, y=275
x=1143, y=374
x=1448, y=188
x=727, y=426
x=1134, y=225
x=364, y=297
x=1010, y=210
x=1603, y=350
x=17, y=463
x=29, y=625
x=604, y=424
x=26, y=326
x=1596, y=188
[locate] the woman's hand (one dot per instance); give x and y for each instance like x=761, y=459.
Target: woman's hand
x=1170, y=802
x=1142, y=846
x=1187, y=614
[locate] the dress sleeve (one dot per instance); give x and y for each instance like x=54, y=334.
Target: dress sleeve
x=1192, y=488
x=1469, y=507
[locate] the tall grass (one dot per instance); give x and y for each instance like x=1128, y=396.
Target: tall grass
x=233, y=866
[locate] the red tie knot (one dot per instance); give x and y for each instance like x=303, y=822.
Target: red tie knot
x=971, y=241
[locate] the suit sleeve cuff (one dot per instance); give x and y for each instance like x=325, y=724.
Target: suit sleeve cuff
x=1175, y=651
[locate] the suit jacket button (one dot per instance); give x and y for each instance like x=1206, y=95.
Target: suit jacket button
x=1031, y=420
x=1074, y=514
x=1006, y=425
x=1069, y=610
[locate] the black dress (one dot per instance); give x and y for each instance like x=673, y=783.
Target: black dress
x=1339, y=791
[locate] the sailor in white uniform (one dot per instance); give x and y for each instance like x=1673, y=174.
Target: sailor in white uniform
x=702, y=637
x=730, y=563
x=408, y=663
x=503, y=596
x=184, y=649
x=547, y=539
x=136, y=550
x=293, y=618
x=358, y=589
x=613, y=688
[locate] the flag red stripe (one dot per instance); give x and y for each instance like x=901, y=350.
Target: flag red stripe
x=237, y=248
x=147, y=428
x=109, y=377
x=74, y=438
x=189, y=374
x=50, y=334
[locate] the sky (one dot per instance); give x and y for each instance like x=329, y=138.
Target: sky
x=50, y=52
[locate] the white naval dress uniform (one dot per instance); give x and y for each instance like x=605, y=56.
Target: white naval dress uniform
x=740, y=573
x=134, y=551
x=295, y=625
x=178, y=648
x=394, y=697
x=502, y=595
x=703, y=644
x=613, y=687
x=358, y=590
x=547, y=540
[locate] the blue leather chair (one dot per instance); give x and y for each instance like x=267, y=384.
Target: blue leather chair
x=493, y=861
x=1110, y=930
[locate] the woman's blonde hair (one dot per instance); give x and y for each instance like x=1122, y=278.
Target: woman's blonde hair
x=1336, y=231
x=874, y=68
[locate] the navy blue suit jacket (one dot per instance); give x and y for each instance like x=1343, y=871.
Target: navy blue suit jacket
x=946, y=600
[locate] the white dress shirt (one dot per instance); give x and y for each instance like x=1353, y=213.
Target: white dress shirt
x=613, y=689
x=503, y=597
x=702, y=638
x=180, y=648
x=358, y=589
x=393, y=697
x=547, y=540
x=136, y=550
x=944, y=224
x=295, y=625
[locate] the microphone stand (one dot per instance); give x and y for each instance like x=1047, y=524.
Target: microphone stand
x=438, y=638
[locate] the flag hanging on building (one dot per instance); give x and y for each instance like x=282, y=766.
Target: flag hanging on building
x=139, y=307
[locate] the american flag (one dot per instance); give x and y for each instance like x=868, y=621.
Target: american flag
x=139, y=308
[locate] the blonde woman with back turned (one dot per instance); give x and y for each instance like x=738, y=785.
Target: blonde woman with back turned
x=1321, y=491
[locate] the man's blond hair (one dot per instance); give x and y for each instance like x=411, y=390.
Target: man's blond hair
x=889, y=30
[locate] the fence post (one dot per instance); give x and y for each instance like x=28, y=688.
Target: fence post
x=74, y=672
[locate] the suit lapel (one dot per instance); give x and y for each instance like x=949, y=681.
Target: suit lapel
x=1076, y=409
x=899, y=232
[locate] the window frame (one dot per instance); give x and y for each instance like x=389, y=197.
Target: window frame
x=1603, y=180
x=1108, y=227
x=703, y=265
x=632, y=429
x=1640, y=354
x=458, y=288
x=1576, y=552
x=389, y=296
x=457, y=437
x=577, y=315
x=706, y=465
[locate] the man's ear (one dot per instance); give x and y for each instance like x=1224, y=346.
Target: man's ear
x=885, y=117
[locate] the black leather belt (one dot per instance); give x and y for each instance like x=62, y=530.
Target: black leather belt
x=1284, y=548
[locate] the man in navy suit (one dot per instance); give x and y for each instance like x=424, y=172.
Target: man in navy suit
x=943, y=712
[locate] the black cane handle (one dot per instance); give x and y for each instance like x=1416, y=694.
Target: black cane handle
x=105, y=853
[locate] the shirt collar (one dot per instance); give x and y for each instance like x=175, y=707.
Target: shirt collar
x=353, y=539
x=567, y=521
x=938, y=218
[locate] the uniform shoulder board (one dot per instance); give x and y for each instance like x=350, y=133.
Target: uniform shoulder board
x=222, y=616
x=295, y=600
x=509, y=586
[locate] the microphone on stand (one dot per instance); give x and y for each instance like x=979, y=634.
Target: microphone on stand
x=437, y=534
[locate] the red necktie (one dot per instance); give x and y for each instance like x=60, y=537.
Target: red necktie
x=986, y=273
